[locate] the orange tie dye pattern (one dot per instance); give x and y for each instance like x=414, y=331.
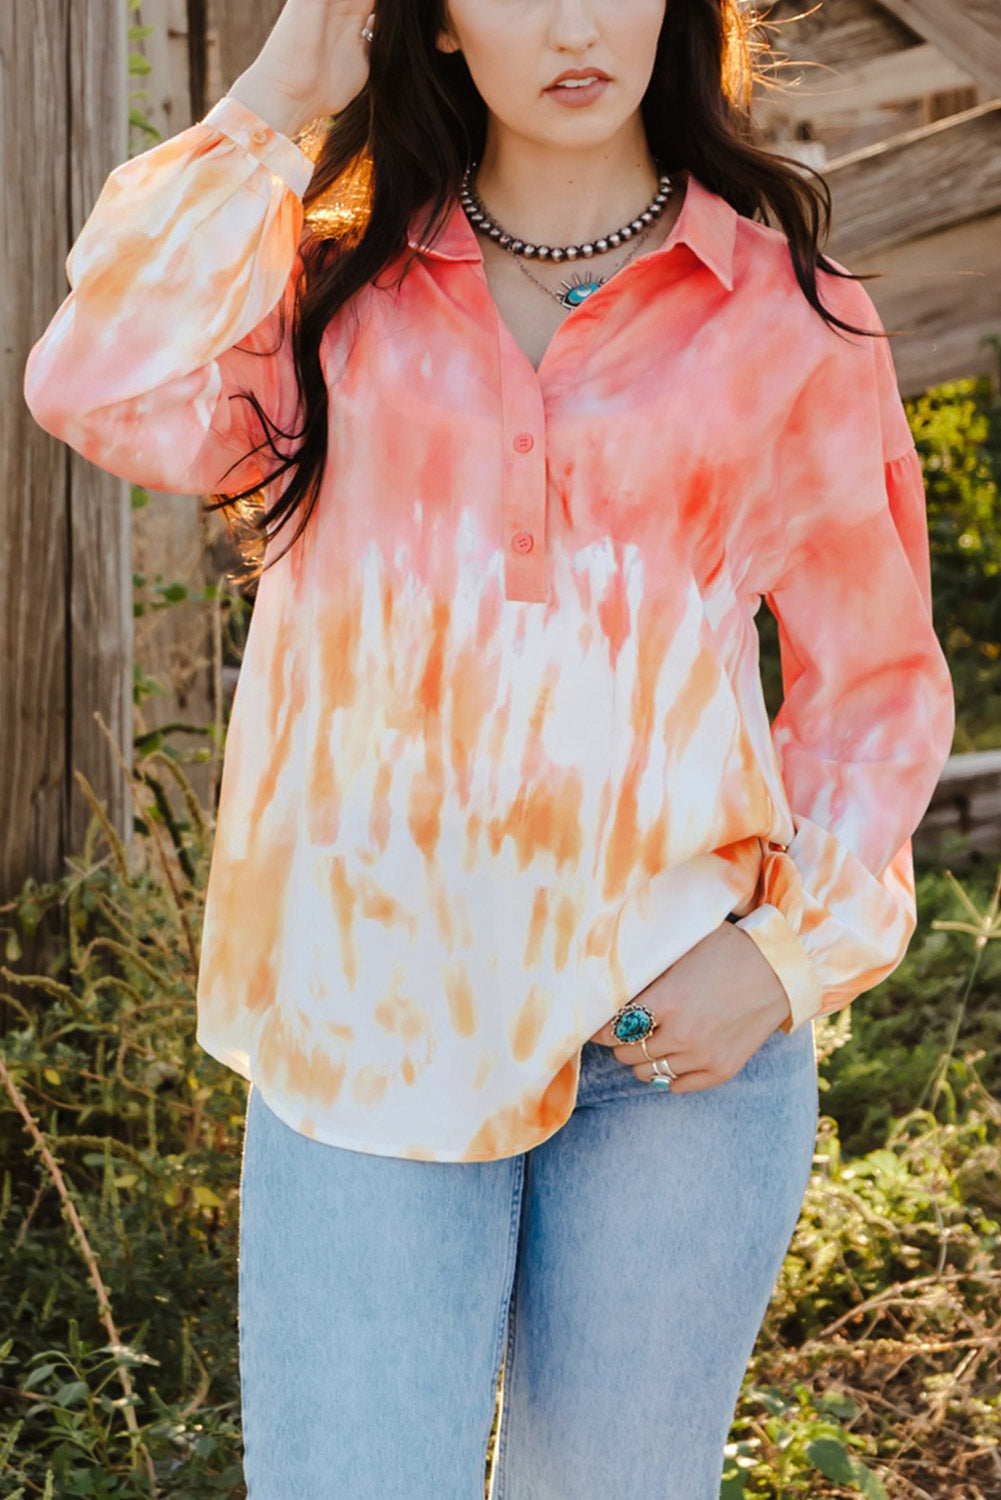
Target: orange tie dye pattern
x=499, y=752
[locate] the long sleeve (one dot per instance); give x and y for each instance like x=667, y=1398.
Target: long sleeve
x=866, y=722
x=191, y=249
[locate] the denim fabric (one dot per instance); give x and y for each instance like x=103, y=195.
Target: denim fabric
x=623, y=1267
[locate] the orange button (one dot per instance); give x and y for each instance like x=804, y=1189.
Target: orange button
x=524, y=441
x=523, y=541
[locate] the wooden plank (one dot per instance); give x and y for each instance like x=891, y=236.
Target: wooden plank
x=965, y=806
x=34, y=479
x=836, y=34
x=815, y=52
x=944, y=289
x=99, y=519
x=937, y=252
x=882, y=193
x=968, y=31
x=976, y=770
x=168, y=104
x=237, y=30
x=878, y=83
x=65, y=589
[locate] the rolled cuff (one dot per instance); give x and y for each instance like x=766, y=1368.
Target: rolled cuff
x=779, y=944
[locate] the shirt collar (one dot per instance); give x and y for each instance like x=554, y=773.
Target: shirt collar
x=707, y=224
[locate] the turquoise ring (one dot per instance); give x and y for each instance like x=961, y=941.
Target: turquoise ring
x=632, y=1023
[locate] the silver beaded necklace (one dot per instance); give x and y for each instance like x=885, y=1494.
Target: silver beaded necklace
x=579, y=288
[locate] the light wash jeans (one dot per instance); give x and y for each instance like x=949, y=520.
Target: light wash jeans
x=624, y=1267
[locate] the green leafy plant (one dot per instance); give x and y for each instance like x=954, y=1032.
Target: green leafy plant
x=139, y=67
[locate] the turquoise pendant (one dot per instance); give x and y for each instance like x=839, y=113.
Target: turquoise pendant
x=632, y=1023
x=578, y=292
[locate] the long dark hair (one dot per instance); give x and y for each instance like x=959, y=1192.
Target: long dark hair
x=405, y=141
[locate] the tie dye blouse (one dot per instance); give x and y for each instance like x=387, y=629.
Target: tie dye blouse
x=499, y=753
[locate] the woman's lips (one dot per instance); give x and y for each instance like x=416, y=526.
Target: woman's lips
x=578, y=94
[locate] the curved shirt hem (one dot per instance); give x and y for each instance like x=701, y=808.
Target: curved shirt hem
x=237, y=1061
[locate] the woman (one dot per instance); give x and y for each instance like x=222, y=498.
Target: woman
x=499, y=767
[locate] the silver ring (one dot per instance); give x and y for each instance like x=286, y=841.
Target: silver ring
x=662, y=1069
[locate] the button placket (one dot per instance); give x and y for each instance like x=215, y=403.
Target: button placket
x=523, y=518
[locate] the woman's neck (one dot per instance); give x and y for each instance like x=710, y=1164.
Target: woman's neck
x=562, y=198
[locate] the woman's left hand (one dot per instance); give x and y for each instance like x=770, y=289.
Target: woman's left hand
x=714, y=1008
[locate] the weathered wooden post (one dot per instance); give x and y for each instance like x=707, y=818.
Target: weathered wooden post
x=70, y=543
x=65, y=562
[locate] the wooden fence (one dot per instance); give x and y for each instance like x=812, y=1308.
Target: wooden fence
x=899, y=104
